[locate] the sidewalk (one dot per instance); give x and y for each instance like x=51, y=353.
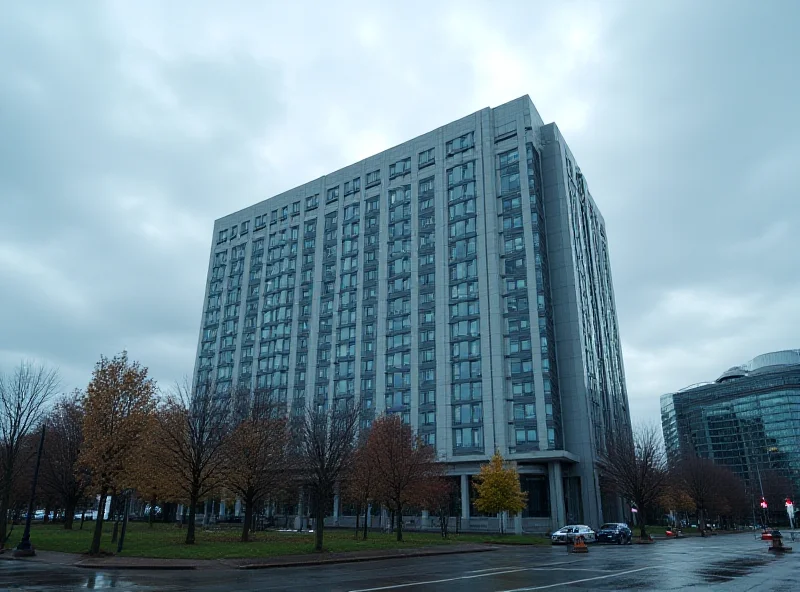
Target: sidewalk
x=151, y=563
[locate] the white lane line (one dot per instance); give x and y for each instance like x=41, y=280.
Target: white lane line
x=455, y=579
x=474, y=571
x=611, y=575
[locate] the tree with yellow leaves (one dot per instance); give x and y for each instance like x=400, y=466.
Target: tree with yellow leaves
x=118, y=405
x=498, y=488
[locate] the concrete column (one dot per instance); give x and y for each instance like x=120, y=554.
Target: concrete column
x=179, y=513
x=425, y=520
x=384, y=519
x=222, y=510
x=518, y=523
x=369, y=516
x=556, y=481
x=237, y=508
x=464, y=498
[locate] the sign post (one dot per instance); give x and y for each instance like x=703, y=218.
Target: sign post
x=790, y=511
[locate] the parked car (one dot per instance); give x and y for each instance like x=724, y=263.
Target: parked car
x=614, y=532
x=569, y=533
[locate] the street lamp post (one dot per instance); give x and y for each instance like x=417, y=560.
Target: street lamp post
x=25, y=549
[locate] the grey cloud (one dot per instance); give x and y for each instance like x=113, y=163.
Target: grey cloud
x=127, y=132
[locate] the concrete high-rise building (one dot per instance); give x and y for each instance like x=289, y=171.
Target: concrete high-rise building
x=461, y=280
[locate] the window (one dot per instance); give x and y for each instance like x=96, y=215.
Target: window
x=244, y=227
x=333, y=194
x=261, y=221
x=426, y=157
x=353, y=186
x=516, y=284
x=461, y=173
x=468, y=437
x=465, y=349
x=351, y=212
x=402, y=340
x=522, y=389
x=467, y=369
x=373, y=178
x=460, y=143
x=514, y=243
x=399, y=195
x=429, y=439
x=469, y=328
x=427, y=316
x=509, y=158
x=463, y=248
x=427, y=336
x=312, y=202
x=223, y=236
x=512, y=222
x=525, y=436
x=464, y=290
x=520, y=366
x=469, y=413
x=427, y=355
x=401, y=167
x=426, y=186
x=516, y=303
x=464, y=309
x=465, y=208
x=273, y=217
x=372, y=205
x=463, y=271
x=464, y=227
x=524, y=411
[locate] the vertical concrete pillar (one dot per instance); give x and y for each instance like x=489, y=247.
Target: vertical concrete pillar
x=556, y=482
x=237, y=508
x=425, y=520
x=369, y=516
x=464, y=498
x=518, y=523
x=179, y=513
x=222, y=510
x=336, y=501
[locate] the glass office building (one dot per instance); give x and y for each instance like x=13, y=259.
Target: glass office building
x=460, y=280
x=747, y=420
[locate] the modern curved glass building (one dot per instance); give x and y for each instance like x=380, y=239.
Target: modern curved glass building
x=748, y=419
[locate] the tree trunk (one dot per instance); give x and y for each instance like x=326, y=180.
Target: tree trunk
x=114, y=509
x=5, y=502
x=358, y=517
x=701, y=522
x=69, y=514
x=319, y=519
x=366, y=521
x=399, y=523
x=83, y=518
x=642, y=519
x=46, y=517
x=192, y=515
x=248, y=518
x=152, y=517
x=94, y=549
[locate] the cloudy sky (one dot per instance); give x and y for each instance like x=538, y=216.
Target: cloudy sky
x=126, y=128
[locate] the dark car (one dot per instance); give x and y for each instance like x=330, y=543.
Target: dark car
x=614, y=532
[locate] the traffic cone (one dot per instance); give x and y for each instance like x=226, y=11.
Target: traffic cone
x=580, y=546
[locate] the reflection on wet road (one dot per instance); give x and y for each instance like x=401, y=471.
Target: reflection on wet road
x=725, y=562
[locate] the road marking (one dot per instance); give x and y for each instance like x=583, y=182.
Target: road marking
x=611, y=575
x=471, y=577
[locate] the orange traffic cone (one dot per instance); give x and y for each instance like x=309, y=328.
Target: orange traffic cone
x=580, y=545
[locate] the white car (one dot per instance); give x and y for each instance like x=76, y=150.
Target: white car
x=569, y=533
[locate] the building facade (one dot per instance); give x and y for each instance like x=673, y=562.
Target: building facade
x=461, y=280
x=747, y=420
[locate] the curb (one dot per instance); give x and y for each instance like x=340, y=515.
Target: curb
x=136, y=567
x=360, y=559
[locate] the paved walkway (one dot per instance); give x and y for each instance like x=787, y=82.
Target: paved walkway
x=152, y=563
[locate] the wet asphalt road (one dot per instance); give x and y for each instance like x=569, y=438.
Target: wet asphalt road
x=729, y=562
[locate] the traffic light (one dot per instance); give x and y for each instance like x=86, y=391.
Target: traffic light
x=789, y=502
x=763, y=503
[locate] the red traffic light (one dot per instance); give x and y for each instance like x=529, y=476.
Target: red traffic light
x=789, y=502
x=763, y=503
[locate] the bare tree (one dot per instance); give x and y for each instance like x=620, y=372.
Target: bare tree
x=24, y=394
x=401, y=463
x=255, y=456
x=325, y=448
x=62, y=476
x=700, y=479
x=193, y=426
x=635, y=467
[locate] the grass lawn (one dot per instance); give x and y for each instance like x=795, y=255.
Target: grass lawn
x=166, y=541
